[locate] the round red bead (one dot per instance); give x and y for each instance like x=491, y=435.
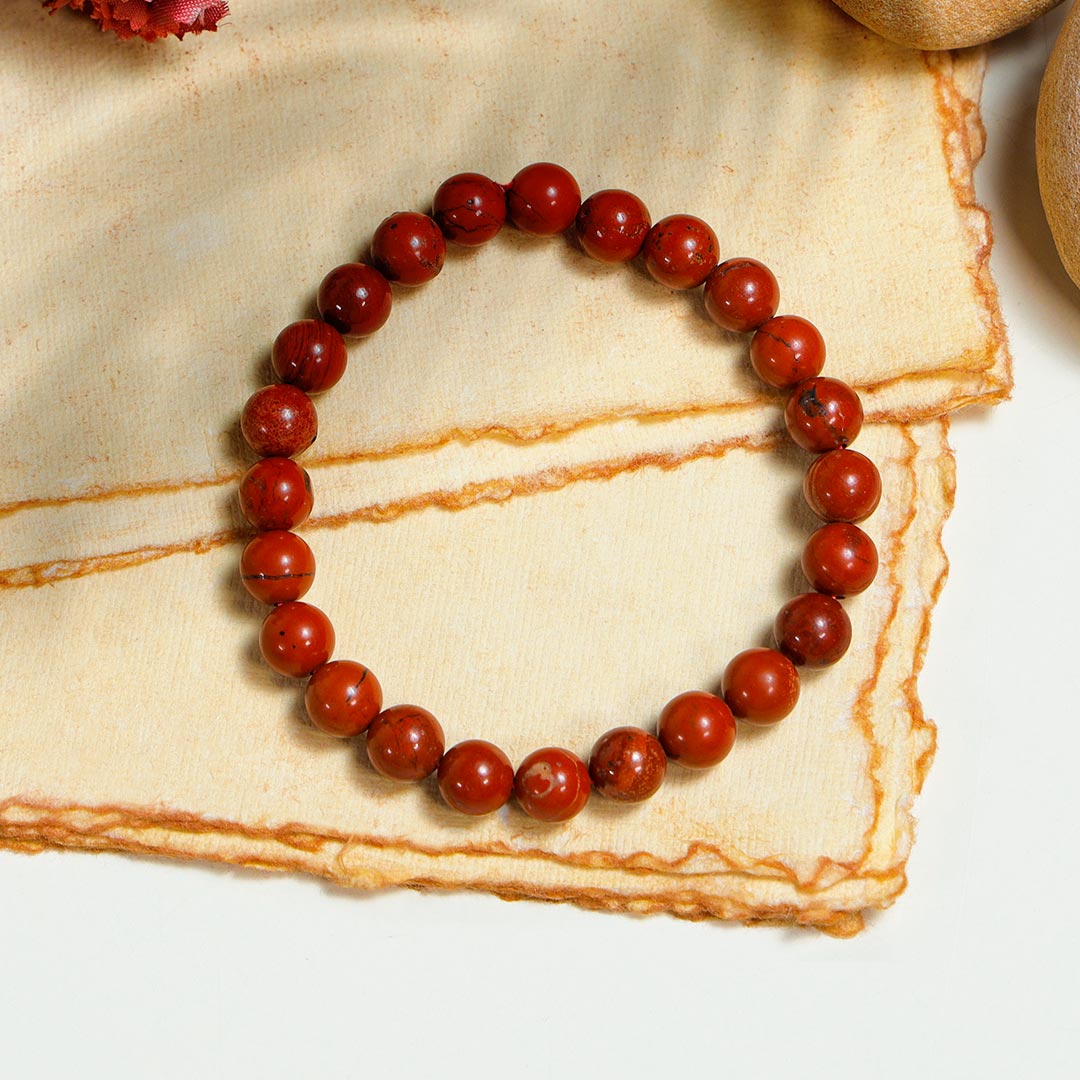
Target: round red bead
x=842, y=485
x=786, y=350
x=812, y=630
x=612, y=225
x=275, y=493
x=296, y=638
x=405, y=743
x=552, y=784
x=696, y=729
x=543, y=199
x=840, y=559
x=408, y=248
x=355, y=299
x=309, y=354
x=277, y=567
x=627, y=764
x=342, y=698
x=740, y=294
x=680, y=251
x=823, y=414
x=279, y=421
x=469, y=208
x=475, y=777
x=761, y=686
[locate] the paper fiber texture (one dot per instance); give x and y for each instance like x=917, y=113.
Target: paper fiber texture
x=168, y=208
x=549, y=493
x=542, y=620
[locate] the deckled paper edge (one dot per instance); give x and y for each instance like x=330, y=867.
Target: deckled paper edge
x=29, y=827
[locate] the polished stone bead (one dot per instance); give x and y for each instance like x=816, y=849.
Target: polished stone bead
x=786, y=350
x=475, y=777
x=277, y=567
x=342, y=698
x=552, y=784
x=740, y=294
x=812, y=630
x=696, y=729
x=275, y=493
x=842, y=485
x=761, y=686
x=680, y=251
x=408, y=248
x=405, y=742
x=612, y=225
x=355, y=299
x=469, y=208
x=627, y=764
x=296, y=638
x=823, y=414
x=543, y=199
x=840, y=559
x=279, y=421
x=309, y=354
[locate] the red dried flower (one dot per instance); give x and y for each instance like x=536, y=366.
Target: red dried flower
x=150, y=19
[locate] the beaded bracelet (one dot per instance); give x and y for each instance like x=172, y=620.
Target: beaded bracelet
x=696, y=729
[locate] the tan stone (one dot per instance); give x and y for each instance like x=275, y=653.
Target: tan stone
x=1057, y=144
x=945, y=24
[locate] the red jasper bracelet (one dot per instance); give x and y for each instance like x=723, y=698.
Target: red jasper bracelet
x=695, y=729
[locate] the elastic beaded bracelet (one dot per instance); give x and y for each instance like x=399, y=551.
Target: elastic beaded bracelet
x=696, y=729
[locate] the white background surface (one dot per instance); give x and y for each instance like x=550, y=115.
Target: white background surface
x=113, y=966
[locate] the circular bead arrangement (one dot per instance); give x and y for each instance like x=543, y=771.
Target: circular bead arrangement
x=696, y=729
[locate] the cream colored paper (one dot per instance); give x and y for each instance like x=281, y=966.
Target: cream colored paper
x=559, y=615
x=549, y=494
x=167, y=209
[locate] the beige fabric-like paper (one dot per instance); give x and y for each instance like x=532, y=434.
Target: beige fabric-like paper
x=169, y=209
x=549, y=493
x=558, y=615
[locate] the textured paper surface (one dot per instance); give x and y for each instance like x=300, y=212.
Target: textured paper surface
x=549, y=495
x=160, y=234
x=560, y=614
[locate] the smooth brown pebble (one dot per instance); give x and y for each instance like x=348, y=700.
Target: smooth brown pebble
x=1057, y=143
x=944, y=24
